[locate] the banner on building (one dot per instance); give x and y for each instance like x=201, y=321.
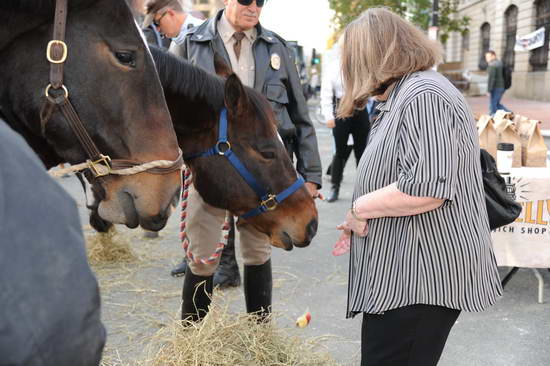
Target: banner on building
x=530, y=41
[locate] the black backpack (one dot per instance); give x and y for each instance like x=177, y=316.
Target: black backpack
x=502, y=210
x=507, y=74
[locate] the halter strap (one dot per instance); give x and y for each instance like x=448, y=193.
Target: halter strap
x=56, y=53
x=268, y=201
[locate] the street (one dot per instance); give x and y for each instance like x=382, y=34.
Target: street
x=139, y=297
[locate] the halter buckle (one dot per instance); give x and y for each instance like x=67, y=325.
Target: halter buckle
x=270, y=203
x=49, y=51
x=223, y=143
x=101, y=167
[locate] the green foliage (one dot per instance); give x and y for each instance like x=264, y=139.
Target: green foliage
x=417, y=11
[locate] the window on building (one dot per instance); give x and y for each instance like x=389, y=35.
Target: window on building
x=485, y=45
x=510, y=31
x=539, y=56
x=203, y=1
x=465, y=45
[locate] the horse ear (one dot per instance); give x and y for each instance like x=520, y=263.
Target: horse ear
x=221, y=67
x=235, y=95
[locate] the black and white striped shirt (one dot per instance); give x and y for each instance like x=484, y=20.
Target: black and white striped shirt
x=425, y=140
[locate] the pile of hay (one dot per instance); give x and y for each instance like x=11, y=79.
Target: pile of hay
x=223, y=338
x=110, y=247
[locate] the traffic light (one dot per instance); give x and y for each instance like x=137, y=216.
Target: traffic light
x=315, y=60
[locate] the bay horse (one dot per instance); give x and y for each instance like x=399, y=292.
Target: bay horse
x=196, y=100
x=96, y=69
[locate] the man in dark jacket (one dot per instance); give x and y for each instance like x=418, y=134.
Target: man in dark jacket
x=262, y=61
x=49, y=298
x=495, y=83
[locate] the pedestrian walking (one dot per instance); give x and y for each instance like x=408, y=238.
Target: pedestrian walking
x=495, y=83
x=421, y=248
x=262, y=61
x=357, y=126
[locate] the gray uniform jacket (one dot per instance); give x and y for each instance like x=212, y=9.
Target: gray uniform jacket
x=280, y=86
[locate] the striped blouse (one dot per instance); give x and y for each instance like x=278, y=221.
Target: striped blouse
x=425, y=139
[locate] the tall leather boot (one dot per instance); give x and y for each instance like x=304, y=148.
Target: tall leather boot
x=227, y=274
x=337, y=172
x=258, y=287
x=180, y=269
x=196, y=296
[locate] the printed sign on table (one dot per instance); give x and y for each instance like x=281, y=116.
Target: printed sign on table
x=526, y=242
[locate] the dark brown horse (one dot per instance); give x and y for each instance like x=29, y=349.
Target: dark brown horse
x=195, y=99
x=114, y=88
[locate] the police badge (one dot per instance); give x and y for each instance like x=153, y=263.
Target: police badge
x=275, y=61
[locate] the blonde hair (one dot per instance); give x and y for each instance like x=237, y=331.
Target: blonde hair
x=379, y=48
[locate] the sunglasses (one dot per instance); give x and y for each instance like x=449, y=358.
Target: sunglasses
x=156, y=22
x=259, y=3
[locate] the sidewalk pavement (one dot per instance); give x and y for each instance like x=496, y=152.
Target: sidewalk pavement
x=529, y=108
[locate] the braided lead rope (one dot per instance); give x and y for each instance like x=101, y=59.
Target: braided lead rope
x=186, y=178
x=102, y=169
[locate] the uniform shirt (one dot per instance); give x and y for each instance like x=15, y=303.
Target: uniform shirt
x=244, y=66
x=425, y=139
x=331, y=84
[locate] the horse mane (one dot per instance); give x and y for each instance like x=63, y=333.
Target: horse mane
x=181, y=77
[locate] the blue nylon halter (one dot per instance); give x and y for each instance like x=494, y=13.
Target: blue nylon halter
x=268, y=201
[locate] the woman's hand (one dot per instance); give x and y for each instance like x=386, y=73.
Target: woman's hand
x=358, y=227
x=342, y=245
x=331, y=123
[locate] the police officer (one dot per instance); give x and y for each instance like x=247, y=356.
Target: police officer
x=262, y=61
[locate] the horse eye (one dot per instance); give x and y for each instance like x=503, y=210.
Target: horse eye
x=126, y=58
x=268, y=154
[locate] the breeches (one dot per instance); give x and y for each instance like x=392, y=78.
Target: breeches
x=204, y=230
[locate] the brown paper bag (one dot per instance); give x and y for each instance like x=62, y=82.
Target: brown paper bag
x=534, y=150
x=506, y=132
x=487, y=135
x=502, y=114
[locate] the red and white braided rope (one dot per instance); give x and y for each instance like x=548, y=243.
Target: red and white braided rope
x=186, y=183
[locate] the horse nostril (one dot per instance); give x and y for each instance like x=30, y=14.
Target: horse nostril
x=311, y=229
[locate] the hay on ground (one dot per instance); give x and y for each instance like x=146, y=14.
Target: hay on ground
x=109, y=247
x=223, y=338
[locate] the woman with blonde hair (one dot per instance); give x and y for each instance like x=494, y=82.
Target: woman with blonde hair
x=421, y=248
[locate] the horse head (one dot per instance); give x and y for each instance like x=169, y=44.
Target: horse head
x=196, y=100
x=111, y=81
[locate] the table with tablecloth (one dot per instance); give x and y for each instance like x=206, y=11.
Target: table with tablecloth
x=526, y=242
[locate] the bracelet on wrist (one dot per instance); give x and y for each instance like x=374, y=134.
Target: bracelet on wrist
x=354, y=214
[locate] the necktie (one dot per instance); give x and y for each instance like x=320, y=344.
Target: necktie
x=237, y=46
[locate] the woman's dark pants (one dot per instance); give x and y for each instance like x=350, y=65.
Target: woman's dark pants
x=409, y=336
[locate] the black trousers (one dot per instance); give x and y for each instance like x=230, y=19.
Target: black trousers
x=409, y=336
x=358, y=126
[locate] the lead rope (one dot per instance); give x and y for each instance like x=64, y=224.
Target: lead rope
x=186, y=178
x=103, y=169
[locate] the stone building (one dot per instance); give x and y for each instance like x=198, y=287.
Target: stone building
x=494, y=24
x=208, y=7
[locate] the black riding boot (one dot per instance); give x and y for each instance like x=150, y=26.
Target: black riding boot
x=180, y=269
x=258, y=286
x=227, y=274
x=196, y=296
x=337, y=172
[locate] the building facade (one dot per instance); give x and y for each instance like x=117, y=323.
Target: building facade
x=208, y=7
x=494, y=25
